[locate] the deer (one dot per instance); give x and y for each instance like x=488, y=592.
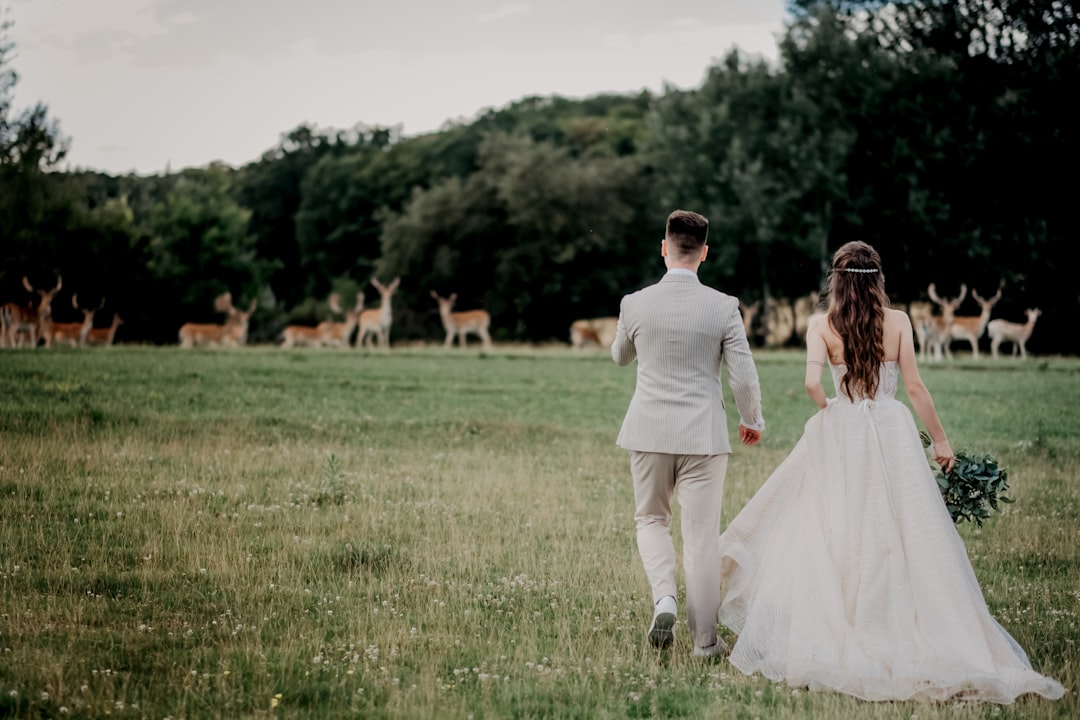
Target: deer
x=971, y=328
x=1017, y=333
x=31, y=321
x=375, y=323
x=301, y=336
x=75, y=333
x=920, y=312
x=599, y=331
x=937, y=330
x=337, y=334
x=804, y=308
x=749, y=315
x=106, y=335
x=779, y=322
x=233, y=332
x=463, y=322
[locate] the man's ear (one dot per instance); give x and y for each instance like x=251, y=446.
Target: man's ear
x=704, y=252
x=663, y=248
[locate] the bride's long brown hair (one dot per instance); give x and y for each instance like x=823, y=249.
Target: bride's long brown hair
x=857, y=303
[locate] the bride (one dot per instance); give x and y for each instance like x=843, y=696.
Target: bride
x=845, y=571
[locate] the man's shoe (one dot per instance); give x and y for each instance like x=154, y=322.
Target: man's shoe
x=662, y=630
x=717, y=648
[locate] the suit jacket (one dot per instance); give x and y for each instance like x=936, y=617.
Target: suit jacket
x=680, y=332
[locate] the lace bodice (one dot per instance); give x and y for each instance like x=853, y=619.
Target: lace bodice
x=888, y=371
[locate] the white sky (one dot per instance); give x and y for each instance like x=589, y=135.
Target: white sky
x=139, y=85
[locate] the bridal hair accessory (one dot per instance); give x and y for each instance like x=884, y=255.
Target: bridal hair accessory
x=860, y=270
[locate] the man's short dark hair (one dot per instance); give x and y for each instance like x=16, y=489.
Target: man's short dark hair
x=687, y=232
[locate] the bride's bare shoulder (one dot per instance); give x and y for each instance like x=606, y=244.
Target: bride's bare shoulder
x=897, y=317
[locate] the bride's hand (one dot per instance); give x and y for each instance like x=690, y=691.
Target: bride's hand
x=944, y=456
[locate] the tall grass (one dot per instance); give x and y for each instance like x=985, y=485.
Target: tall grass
x=426, y=533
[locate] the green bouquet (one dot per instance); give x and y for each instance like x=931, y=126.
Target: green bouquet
x=974, y=486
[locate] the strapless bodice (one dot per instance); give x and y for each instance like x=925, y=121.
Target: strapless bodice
x=887, y=373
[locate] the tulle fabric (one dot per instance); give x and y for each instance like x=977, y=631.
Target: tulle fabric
x=845, y=571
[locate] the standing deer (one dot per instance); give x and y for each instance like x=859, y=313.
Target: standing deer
x=971, y=328
x=463, y=322
x=104, y=336
x=938, y=329
x=74, y=333
x=338, y=334
x=1017, y=333
x=376, y=323
x=920, y=313
x=31, y=321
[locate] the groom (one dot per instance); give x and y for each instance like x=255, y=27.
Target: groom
x=681, y=331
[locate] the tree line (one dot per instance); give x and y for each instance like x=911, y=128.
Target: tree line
x=937, y=130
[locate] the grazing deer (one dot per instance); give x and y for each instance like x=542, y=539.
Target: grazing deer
x=463, y=322
x=938, y=329
x=779, y=322
x=971, y=328
x=301, y=336
x=600, y=331
x=233, y=332
x=1017, y=333
x=31, y=321
x=337, y=334
x=74, y=333
x=376, y=323
x=104, y=336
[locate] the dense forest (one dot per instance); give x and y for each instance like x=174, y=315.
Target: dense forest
x=940, y=131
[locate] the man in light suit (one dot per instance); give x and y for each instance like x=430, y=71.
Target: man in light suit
x=680, y=332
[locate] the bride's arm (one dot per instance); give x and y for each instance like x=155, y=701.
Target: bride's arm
x=816, y=356
x=920, y=397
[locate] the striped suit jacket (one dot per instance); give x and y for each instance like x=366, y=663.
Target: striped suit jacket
x=680, y=332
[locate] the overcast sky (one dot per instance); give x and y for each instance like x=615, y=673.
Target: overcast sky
x=139, y=85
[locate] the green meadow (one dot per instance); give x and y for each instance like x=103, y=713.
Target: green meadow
x=428, y=533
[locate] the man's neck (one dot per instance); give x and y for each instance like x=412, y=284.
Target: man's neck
x=681, y=270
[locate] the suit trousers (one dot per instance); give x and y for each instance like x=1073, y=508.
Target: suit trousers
x=698, y=481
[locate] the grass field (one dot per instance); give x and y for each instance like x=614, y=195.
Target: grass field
x=427, y=533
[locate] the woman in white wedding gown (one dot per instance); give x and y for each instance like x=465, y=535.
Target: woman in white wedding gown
x=845, y=571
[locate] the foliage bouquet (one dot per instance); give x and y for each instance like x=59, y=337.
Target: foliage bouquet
x=974, y=486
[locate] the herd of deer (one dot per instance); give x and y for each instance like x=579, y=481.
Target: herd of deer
x=25, y=325
x=372, y=326
x=935, y=333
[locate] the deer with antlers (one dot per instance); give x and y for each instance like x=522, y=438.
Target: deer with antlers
x=375, y=324
x=1017, y=333
x=30, y=320
x=463, y=322
x=937, y=329
x=74, y=334
x=105, y=335
x=337, y=334
x=971, y=328
x=233, y=332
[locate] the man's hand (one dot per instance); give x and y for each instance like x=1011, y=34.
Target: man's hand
x=748, y=436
